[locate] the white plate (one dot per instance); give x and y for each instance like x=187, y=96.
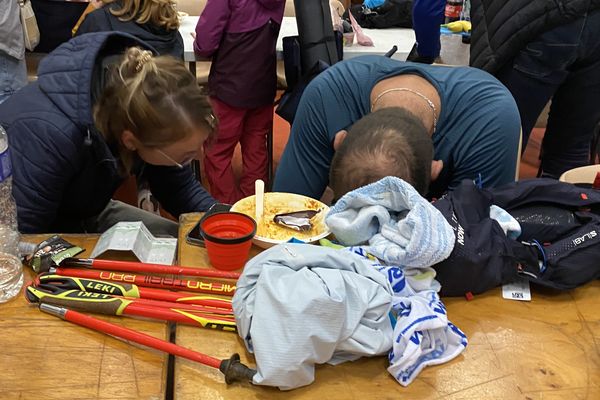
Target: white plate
x=269, y=233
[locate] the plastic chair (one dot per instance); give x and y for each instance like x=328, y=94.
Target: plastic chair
x=585, y=174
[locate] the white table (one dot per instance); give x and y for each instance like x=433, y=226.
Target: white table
x=384, y=40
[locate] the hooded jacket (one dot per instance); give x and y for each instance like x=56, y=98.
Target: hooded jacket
x=166, y=42
x=64, y=171
x=240, y=36
x=502, y=28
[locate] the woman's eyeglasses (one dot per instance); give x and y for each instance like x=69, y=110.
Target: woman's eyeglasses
x=175, y=163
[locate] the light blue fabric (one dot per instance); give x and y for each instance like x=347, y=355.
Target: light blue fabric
x=400, y=226
x=13, y=75
x=297, y=305
x=11, y=30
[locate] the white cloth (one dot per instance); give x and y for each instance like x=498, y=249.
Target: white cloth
x=401, y=227
x=297, y=305
x=510, y=226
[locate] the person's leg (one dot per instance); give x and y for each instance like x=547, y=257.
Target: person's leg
x=254, y=147
x=575, y=109
x=219, y=152
x=530, y=95
x=427, y=16
x=13, y=75
x=539, y=70
x=117, y=211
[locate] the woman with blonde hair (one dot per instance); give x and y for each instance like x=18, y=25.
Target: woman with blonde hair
x=153, y=21
x=102, y=110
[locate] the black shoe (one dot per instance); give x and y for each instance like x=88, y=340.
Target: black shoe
x=414, y=56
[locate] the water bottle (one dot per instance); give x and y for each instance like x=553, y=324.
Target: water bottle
x=11, y=269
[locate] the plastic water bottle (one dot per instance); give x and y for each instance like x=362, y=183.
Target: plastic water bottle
x=11, y=269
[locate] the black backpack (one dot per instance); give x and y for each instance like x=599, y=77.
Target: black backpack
x=559, y=246
x=391, y=14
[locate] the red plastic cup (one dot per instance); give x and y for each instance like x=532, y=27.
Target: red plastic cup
x=228, y=238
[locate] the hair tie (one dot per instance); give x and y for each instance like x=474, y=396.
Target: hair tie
x=143, y=59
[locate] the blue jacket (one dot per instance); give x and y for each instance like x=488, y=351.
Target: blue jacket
x=63, y=169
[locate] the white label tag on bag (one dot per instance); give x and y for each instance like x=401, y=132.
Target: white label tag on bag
x=518, y=290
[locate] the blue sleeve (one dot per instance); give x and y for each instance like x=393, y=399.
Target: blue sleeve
x=43, y=161
x=304, y=165
x=177, y=190
x=495, y=151
x=427, y=16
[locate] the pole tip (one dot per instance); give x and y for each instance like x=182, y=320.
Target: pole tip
x=235, y=371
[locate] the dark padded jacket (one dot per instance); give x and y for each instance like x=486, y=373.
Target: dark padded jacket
x=501, y=28
x=165, y=42
x=63, y=169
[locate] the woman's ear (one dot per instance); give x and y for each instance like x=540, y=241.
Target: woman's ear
x=436, y=168
x=129, y=140
x=339, y=138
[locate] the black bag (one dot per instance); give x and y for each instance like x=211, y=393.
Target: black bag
x=288, y=103
x=391, y=14
x=559, y=246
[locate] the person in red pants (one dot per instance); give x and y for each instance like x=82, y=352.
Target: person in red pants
x=240, y=36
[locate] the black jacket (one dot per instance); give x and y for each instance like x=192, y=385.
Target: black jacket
x=63, y=169
x=501, y=28
x=165, y=42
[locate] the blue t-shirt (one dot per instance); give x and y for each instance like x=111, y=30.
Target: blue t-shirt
x=478, y=128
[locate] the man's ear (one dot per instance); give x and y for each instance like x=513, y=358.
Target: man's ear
x=339, y=138
x=129, y=140
x=436, y=168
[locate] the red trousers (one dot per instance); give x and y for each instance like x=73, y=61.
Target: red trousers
x=249, y=127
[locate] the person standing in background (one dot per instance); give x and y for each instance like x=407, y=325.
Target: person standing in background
x=13, y=71
x=427, y=17
x=240, y=36
x=544, y=50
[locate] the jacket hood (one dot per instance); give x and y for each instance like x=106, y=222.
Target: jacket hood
x=65, y=75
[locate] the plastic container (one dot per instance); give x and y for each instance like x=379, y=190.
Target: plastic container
x=228, y=238
x=11, y=269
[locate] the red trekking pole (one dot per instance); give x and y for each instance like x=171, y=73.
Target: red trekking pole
x=130, y=266
x=232, y=368
x=132, y=291
x=149, y=280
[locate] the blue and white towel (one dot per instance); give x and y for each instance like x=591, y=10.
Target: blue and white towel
x=423, y=335
x=401, y=227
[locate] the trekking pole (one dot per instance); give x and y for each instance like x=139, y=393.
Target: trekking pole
x=232, y=368
x=129, y=290
x=131, y=266
x=109, y=305
x=149, y=280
